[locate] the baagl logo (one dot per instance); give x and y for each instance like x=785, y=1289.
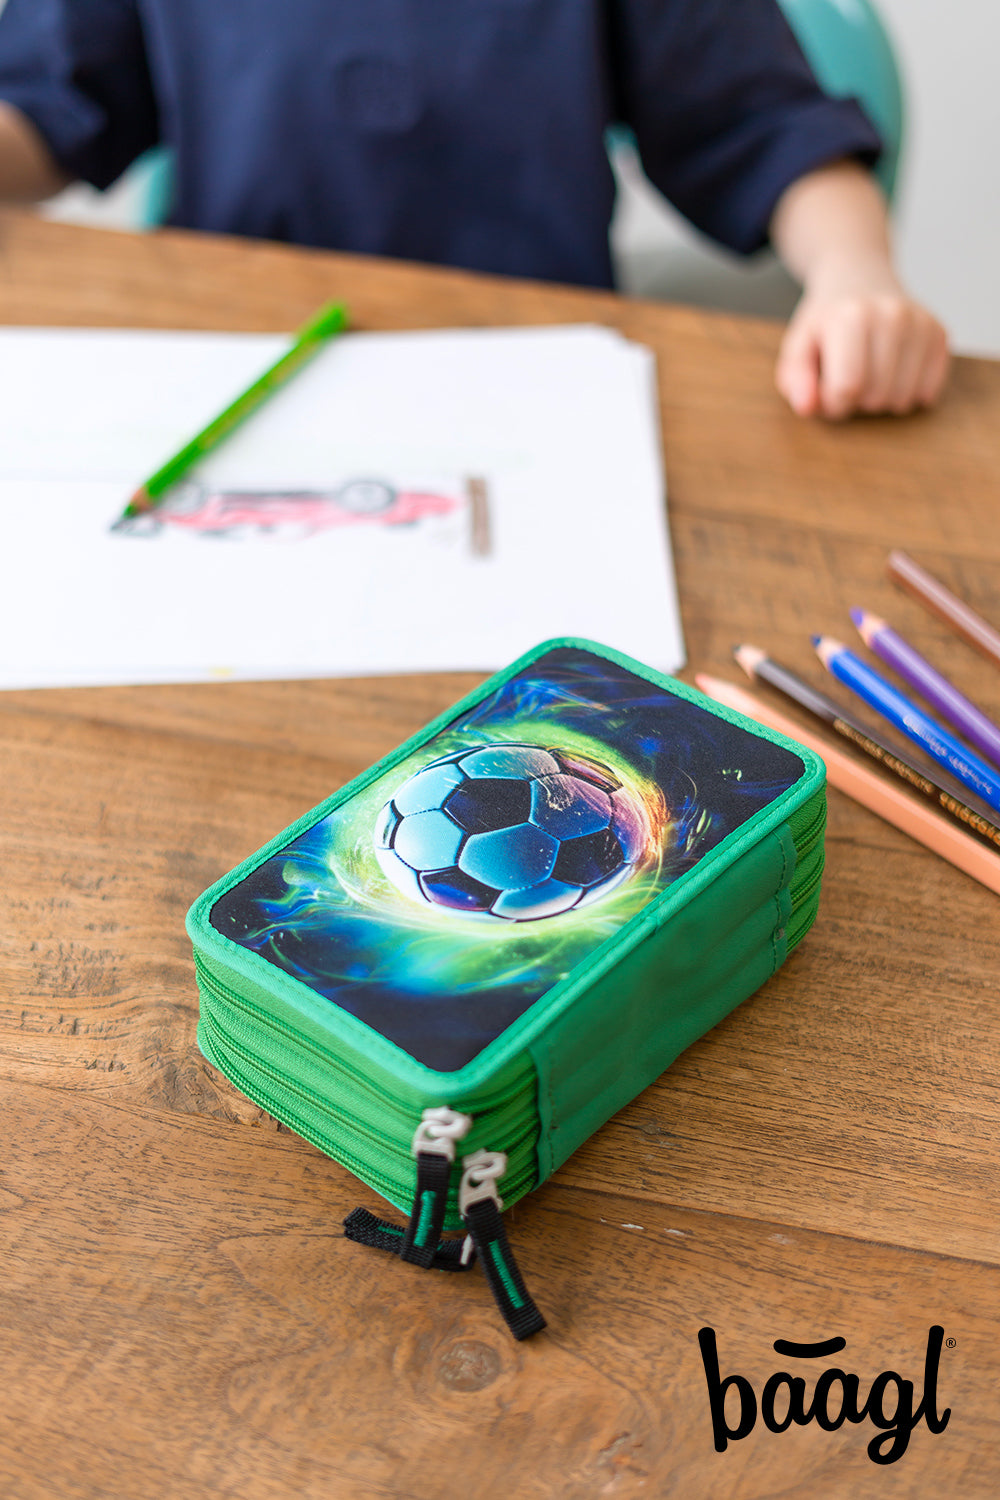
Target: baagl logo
x=835, y=1399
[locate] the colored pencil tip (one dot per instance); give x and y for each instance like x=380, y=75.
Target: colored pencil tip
x=749, y=658
x=140, y=502
x=827, y=648
x=868, y=625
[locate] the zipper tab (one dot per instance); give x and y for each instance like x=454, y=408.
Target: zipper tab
x=438, y=1131
x=480, y=1206
x=481, y=1173
x=434, y=1147
x=420, y=1242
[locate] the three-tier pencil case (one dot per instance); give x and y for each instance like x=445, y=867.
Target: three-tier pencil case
x=454, y=970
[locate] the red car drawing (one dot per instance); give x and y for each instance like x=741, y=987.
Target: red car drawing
x=233, y=513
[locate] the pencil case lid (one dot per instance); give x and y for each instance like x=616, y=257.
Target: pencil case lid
x=522, y=915
x=312, y=921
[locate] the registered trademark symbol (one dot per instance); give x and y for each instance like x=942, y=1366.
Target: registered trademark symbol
x=950, y=1343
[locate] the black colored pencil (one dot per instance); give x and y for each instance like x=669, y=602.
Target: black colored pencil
x=954, y=801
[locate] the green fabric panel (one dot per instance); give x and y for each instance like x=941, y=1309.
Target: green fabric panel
x=384, y=1164
x=671, y=989
x=285, y=1025
x=294, y=1019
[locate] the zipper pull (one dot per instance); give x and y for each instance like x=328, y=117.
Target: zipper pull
x=480, y=1206
x=438, y=1131
x=481, y=1173
x=434, y=1148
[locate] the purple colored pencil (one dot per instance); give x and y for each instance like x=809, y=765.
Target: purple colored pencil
x=929, y=683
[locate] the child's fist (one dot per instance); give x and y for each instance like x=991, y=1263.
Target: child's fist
x=861, y=350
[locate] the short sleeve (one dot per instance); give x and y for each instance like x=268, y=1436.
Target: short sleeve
x=726, y=111
x=77, y=69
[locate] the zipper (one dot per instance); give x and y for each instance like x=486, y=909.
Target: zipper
x=357, y=1107
x=284, y=1100
x=341, y=1117
x=388, y=1187
x=806, y=825
x=346, y=1119
x=370, y=1117
x=498, y=1102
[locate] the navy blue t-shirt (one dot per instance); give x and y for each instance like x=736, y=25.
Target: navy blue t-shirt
x=464, y=132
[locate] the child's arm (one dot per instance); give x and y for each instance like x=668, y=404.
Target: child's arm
x=857, y=342
x=28, y=171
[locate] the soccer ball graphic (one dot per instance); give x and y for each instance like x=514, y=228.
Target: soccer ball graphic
x=510, y=831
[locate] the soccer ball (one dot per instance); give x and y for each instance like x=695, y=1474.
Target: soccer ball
x=510, y=831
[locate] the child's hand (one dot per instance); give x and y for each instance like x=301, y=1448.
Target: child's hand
x=858, y=343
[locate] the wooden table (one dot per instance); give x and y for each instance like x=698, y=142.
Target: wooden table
x=182, y=1316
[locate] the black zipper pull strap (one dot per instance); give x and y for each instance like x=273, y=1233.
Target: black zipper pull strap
x=434, y=1147
x=480, y=1205
x=366, y=1229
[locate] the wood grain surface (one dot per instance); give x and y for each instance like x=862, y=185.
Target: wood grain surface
x=182, y=1316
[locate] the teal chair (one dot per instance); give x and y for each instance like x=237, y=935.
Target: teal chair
x=152, y=181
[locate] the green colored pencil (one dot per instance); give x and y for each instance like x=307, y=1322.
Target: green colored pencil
x=329, y=320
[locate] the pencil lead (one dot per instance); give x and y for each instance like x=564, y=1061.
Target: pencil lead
x=140, y=502
x=749, y=658
x=869, y=625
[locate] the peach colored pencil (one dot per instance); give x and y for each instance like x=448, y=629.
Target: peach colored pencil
x=870, y=789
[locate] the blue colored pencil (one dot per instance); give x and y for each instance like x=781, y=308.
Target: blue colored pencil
x=924, y=731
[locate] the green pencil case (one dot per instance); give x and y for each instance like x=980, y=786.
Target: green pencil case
x=454, y=970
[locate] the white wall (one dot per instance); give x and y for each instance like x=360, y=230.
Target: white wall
x=948, y=217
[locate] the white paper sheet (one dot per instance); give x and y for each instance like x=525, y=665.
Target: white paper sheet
x=557, y=426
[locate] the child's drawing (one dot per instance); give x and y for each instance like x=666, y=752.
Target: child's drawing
x=200, y=510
